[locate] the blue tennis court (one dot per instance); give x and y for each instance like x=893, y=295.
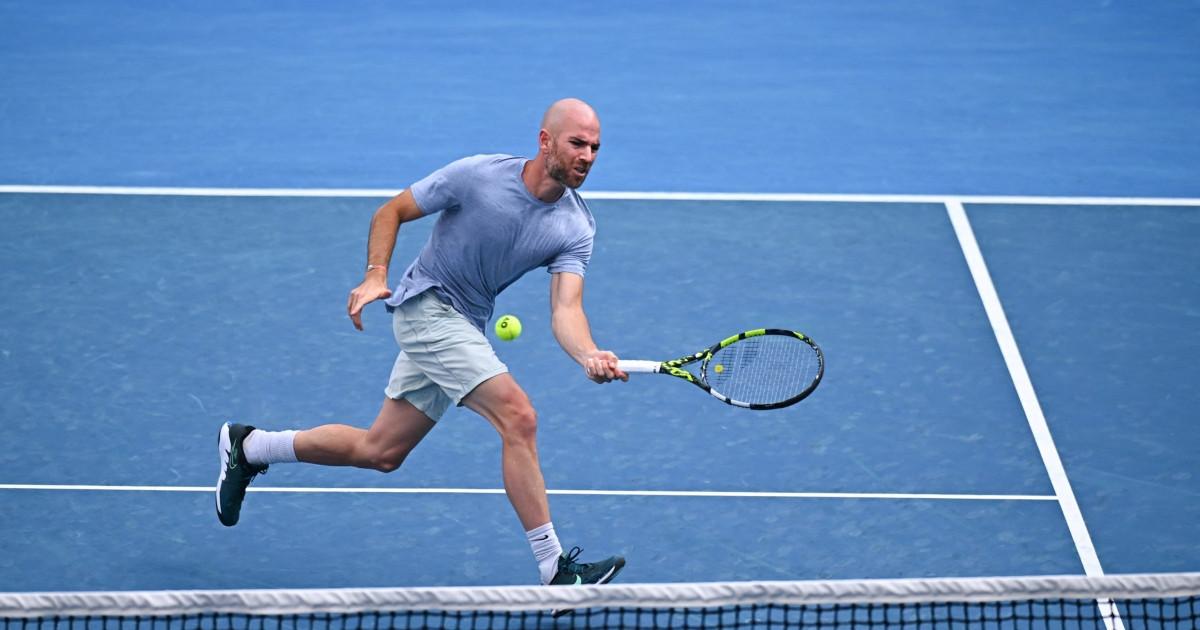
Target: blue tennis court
x=987, y=216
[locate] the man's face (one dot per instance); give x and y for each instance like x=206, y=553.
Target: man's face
x=570, y=154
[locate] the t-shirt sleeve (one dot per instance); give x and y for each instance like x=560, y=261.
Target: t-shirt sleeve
x=574, y=259
x=441, y=189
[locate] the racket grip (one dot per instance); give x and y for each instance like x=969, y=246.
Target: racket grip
x=634, y=367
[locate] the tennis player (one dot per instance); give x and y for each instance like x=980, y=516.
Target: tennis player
x=499, y=216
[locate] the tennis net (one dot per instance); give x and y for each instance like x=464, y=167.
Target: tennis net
x=1110, y=603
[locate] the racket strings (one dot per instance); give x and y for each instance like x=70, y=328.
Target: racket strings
x=763, y=370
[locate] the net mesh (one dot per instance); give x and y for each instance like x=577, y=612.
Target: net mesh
x=1110, y=603
x=763, y=370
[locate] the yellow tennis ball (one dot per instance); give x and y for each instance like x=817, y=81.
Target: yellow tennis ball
x=720, y=368
x=508, y=327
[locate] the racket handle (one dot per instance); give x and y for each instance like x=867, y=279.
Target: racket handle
x=634, y=367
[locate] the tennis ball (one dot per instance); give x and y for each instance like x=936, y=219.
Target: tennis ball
x=508, y=327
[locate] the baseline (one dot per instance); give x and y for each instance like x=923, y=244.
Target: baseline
x=625, y=493
x=616, y=195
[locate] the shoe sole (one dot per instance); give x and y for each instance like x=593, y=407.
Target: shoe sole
x=223, y=447
x=608, y=577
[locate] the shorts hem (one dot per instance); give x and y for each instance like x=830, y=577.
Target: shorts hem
x=434, y=405
x=479, y=380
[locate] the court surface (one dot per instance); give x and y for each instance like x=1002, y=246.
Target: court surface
x=962, y=329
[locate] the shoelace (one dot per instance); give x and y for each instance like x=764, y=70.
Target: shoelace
x=256, y=471
x=572, y=566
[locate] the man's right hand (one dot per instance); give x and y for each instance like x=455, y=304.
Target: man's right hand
x=373, y=287
x=380, y=243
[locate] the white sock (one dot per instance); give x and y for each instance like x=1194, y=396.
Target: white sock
x=546, y=549
x=269, y=447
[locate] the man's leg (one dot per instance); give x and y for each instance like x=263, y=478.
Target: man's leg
x=505, y=405
x=245, y=451
x=447, y=349
x=397, y=429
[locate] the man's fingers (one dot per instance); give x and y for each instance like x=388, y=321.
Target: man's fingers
x=353, y=300
x=355, y=308
x=615, y=368
x=603, y=369
x=609, y=361
x=356, y=314
x=359, y=298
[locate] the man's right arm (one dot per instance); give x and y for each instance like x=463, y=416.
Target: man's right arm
x=380, y=243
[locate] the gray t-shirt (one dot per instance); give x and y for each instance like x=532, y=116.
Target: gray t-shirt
x=490, y=232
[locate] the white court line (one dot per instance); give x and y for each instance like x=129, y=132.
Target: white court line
x=1024, y=387
x=618, y=493
x=931, y=199
x=618, y=195
x=1029, y=402
x=170, y=191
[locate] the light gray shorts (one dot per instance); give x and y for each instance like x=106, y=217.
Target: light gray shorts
x=442, y=355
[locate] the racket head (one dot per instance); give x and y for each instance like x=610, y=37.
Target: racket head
x=767, y=368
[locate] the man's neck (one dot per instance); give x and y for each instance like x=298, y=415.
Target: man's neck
x=539, y=183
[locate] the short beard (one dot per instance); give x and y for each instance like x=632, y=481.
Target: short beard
x=556, y=170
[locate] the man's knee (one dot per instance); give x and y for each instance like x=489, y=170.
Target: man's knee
x=506, y=406
x=518, y=422
x=387, y=464
x=384, y=459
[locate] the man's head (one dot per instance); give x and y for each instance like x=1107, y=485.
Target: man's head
x=569, y=140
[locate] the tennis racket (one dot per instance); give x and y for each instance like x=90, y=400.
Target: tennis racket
x=767, y=368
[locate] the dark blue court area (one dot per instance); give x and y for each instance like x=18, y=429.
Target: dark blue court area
x=135, y=321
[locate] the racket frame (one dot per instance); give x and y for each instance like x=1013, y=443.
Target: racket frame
x=675, y=368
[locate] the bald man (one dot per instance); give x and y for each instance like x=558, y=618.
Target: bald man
x=499, y=216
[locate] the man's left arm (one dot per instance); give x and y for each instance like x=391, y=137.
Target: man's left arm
x=571, y=329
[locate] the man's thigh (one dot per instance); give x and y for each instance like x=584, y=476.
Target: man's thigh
x=399, y=426
x=501, y=400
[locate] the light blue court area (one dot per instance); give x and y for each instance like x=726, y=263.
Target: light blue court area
x=144, y=322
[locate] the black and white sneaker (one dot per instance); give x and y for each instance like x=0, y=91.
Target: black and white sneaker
x=236, y=472
x=571, y=573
